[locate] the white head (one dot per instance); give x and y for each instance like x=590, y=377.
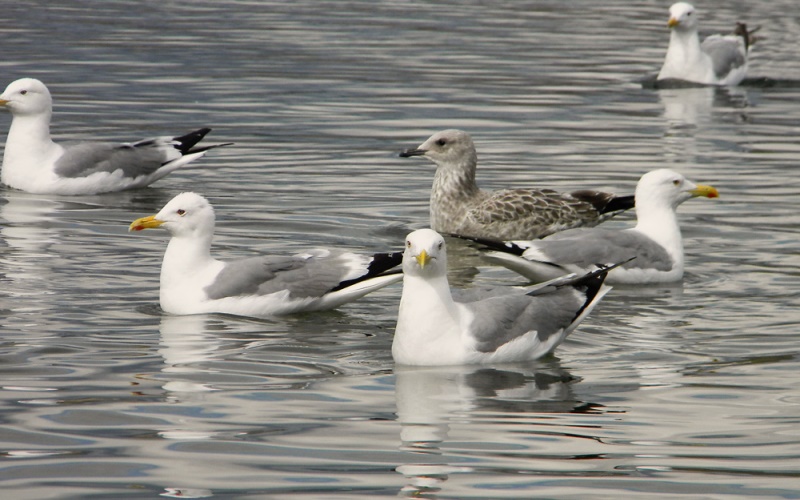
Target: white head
x=667, y=188
x=682, y=17
x=27, y=96
x=187, y=214
x=425, y=254
x=448, y=147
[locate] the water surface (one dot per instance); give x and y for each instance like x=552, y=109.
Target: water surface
x=688, y=389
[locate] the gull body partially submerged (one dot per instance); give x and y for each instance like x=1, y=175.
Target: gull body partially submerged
x=718, y=60
x=440, y=326
x=458, y=206
x=194, y=282
x=32, y=162
x=655, y=243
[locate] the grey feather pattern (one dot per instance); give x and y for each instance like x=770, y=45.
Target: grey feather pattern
x=84, y=159
x=587, y=247
x=726, y=53
x=307, y=275
x=504, y=315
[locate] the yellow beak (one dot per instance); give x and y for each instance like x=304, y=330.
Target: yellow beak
x=706, y=191
x=423, y=259
x=672, y=22
x=3, y=102
x=149, y=222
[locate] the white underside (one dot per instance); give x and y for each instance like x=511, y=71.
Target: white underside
x=538, y=271
x=189, y=298
x=686, y=60
x=702, y=74
x=433, y=330
x=25, y=177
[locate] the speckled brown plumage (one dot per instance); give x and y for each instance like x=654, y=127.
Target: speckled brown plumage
x=459, y=206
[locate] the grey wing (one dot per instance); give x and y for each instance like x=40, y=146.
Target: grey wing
x=726, y=52
x=247, y=276
x=134, y=160
x=506, y=315
x=307, y=275
x=588, y=247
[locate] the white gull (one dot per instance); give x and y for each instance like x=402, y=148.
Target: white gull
x=32, y=162
x=194, y=282
x=440, y=326
x=655, y=244
x=719, y=60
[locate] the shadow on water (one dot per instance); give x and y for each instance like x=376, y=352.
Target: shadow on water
x=762, y=82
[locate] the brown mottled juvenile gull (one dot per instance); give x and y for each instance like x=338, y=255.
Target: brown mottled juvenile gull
x=193, y=282
x=655, y=244
x=33, y=162
x=719, y=60
x=440, y=326
x=458, y=206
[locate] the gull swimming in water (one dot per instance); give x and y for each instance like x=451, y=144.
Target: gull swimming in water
x=32, y=162
x=459, y=207
x=194, y=282
x=655, y=244
x=440, y=326
x=719, y=60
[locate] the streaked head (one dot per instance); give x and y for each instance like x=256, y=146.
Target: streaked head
x=187, y=214
x=27, y=96
x=448, y=147
x=425, y=254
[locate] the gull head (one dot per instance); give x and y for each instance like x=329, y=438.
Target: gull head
x=26, y=96
x=187, y=214
x=667, y=188
x=425, y=254
x=682, y=17
x=448, y=147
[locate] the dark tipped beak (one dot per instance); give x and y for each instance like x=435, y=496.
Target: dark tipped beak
x=413, y=152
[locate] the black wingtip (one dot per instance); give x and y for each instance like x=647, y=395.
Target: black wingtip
x=490, y=244
x=605, y=203
x=600, y=273
x=188, y=141
x=747, y=35
x=592, y=282
x=619, y=203
x=382, y=264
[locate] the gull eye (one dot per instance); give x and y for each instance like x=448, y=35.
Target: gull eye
x=441, y=244
x=441, y=142
x=676, y=182
x=408, y=243
x=180, y=212
x=23, y=92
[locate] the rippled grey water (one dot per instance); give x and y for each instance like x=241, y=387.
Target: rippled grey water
x=687, y=390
